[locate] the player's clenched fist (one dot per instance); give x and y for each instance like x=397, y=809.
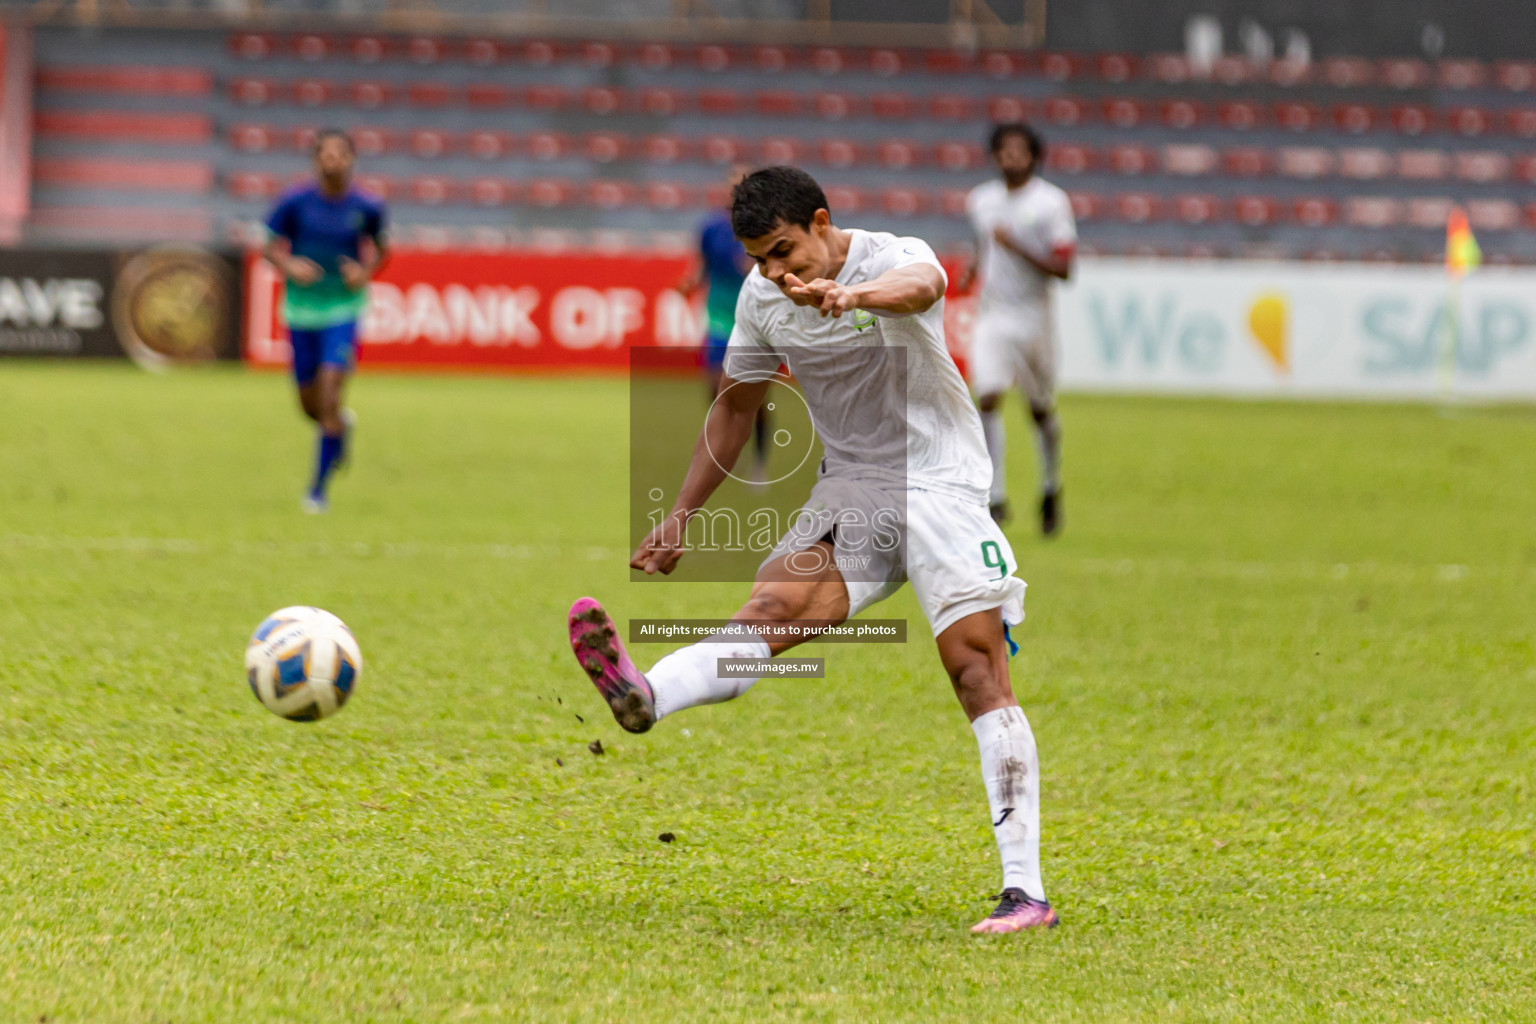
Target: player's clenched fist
x=302, y=271
x=662, y=547
x=352, y=273
x=831, y=298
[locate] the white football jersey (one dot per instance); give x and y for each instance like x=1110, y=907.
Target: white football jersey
x=875, y=411
x=1039, y=218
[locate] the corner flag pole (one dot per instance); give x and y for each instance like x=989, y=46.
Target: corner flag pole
x=1445, y=369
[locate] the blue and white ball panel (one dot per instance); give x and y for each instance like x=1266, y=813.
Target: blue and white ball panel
x=292, y=669
x=284, y=616
x=349, y=664
x=346, y=674
x=303, y=663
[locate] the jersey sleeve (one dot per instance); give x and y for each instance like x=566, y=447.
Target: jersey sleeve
x=907, y=252
x=722, y=254
x=282, y=221
x=713, y=248
x=1060, y=227
x=748, y=354
x=375, y=222
x=973, y=204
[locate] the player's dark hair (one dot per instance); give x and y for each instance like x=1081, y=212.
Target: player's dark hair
x=332, y=133
x=1032, y=139
x=774, y=195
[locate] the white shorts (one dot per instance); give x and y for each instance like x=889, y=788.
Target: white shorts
x=955, y=556
x=1009, y=350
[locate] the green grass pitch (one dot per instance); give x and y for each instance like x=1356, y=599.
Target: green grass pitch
x=1279, y=665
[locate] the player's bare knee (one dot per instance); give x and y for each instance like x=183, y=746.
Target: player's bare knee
x=975, y=681
x=1040, y=414
x=329, y=413
x=988, y=403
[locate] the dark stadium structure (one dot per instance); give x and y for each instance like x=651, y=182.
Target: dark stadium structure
x=145, y=133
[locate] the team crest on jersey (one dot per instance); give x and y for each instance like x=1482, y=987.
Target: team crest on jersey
x=861, y=319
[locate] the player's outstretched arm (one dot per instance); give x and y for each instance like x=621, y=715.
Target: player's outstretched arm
x=899, y=292
x=725, y=433
x=1058, y=264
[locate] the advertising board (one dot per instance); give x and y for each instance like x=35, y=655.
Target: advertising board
x=157, y=306
x=497, y=310
x=1297, y=329
x=1269, y=329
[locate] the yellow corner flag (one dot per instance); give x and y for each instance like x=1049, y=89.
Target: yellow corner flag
x=1461, y=251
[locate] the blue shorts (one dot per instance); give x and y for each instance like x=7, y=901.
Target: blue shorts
x=714, y=350
x=335, y=345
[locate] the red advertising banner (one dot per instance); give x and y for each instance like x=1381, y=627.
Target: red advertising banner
x=517, y=310
x=498, y=310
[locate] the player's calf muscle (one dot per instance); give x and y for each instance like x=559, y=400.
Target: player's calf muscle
x=973, y=655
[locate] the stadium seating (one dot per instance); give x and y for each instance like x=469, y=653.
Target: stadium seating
x=1345, y=155
x=98, y=224
x=180, y=176
x=127, y=80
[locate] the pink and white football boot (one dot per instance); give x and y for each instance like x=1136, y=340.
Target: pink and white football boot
x=1017, y=912
x=601, y=653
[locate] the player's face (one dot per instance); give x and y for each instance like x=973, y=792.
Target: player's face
x=805, y=252
x=1013, y=158
x=334, y=159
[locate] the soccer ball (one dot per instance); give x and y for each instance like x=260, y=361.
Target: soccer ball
x=302, y=663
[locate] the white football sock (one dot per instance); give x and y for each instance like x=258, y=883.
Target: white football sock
x=997, y=447
x=1048, y=438
x=690, y=676
x=1011, y=770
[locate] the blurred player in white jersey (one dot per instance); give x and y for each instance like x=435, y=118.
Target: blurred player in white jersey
x=1027, y=239
x=859, y=318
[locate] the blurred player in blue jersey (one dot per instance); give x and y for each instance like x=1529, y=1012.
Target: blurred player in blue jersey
x=723, y=266
x=327, y=240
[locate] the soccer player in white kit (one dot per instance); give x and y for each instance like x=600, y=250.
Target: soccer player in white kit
x=859, y=316
x=1027, y=239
